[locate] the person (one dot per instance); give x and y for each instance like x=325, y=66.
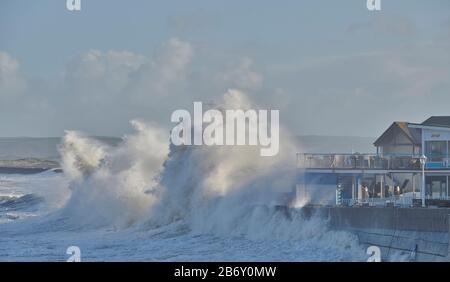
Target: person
x=397, y=190
x=366, y=192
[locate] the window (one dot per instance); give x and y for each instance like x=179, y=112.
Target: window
x=436, y=187
x=436, y=151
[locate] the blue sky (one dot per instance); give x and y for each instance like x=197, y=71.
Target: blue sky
x=331, y=67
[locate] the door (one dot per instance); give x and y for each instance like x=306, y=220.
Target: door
x=436, y=187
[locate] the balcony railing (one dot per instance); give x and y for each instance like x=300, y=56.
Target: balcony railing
x=358, y=161
x=397, y=201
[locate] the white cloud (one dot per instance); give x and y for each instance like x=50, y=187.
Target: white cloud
x=242, y=76
x=11, y=82
x=96, y=71
x=396, y=26
x=7, y=64
x=111, y=87
x=127, y=76
x=103, y=90
x=363, y=93
x=170, y=66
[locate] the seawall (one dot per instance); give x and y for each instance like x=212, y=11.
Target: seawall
x=419, y=233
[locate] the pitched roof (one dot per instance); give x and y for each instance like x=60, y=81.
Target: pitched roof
x=440, y=121
x=411, y=133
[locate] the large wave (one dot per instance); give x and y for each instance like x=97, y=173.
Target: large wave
x=109, y=185
x=221, y=190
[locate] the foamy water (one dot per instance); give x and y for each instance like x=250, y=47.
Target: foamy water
x=43, y=233
x=146, y=200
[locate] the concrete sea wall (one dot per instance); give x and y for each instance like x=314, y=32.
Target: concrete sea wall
x=422, y=234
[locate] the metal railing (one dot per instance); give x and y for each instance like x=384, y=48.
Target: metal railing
x=394, y=201
x=363, y=161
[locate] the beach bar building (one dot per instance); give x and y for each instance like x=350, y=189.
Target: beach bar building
x=411, y=167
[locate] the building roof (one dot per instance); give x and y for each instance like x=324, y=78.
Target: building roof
x=412, y=134
x=411, y=130
x=439, y=121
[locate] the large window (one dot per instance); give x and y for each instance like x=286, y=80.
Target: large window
x=436, y=187
x=436, y=151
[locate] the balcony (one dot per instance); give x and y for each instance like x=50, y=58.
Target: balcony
x=402, y=201
x=358, y=161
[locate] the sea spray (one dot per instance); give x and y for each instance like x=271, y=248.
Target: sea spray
x=199, y=180
x=228, y=191
x=109, y=184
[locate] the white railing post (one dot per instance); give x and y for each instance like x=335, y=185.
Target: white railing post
x=423, y=161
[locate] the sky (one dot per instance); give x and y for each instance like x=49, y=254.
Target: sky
x=330, y=67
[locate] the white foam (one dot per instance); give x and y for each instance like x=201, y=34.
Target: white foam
x=157, y=197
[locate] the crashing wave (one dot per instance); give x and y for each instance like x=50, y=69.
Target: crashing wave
x=221, y=190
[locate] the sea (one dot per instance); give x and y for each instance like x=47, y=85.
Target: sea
x=138, y=198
